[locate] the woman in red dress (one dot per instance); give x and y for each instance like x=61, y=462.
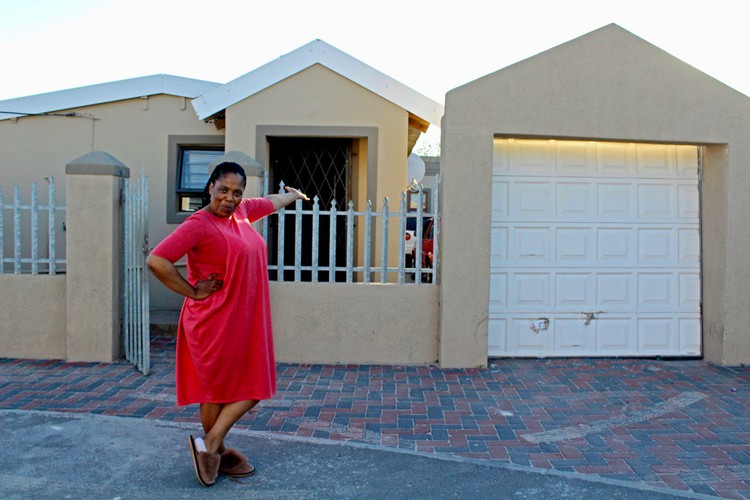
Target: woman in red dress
x=225, y=359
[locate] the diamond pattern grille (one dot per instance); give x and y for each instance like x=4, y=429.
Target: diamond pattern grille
x=318, y=167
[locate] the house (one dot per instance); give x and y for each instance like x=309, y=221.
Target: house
x=318, y=118
x=609, y=213
x=315, y=118
x=592, y=197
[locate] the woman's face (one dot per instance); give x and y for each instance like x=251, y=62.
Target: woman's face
x=226, y=195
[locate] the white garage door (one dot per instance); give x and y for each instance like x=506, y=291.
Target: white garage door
x=595, y=249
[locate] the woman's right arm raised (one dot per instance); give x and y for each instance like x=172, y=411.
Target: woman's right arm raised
x=166, y=272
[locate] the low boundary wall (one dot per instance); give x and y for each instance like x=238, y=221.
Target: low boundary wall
x=355, y=323
x=33, y=316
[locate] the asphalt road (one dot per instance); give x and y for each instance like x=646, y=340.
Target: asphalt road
x=63, y=455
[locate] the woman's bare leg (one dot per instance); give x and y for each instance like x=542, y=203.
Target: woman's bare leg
x=209, y=414
x=217, y=419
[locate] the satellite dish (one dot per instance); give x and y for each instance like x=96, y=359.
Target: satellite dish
x=414, y=170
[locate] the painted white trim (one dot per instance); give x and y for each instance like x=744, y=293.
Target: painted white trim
x=105, y=92
x=317, y=52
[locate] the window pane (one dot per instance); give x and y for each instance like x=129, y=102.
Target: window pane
x=190, y=203
x=194, y=167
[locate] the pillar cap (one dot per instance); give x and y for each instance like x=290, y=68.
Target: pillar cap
x=248, y=163
x=97, y=163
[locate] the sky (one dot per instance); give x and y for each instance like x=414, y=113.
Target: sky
x=430, y=46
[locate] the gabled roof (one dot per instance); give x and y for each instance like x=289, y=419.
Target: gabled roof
x=611, y=56
x=317, y=52
x=102, y=93
x=607, y=84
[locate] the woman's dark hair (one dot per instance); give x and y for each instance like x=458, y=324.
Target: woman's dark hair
x=220, y=171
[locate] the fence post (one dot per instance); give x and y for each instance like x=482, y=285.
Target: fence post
x=93, y=256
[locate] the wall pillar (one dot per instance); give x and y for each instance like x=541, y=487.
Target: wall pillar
x=253, y=170
x=93, y=256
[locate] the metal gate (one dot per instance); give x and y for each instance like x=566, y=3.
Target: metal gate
x=135, y=305
x=319, y=166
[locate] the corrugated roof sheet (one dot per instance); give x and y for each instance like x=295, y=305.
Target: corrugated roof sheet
x=104, y=92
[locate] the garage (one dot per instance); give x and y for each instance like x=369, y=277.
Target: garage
x=594, y=249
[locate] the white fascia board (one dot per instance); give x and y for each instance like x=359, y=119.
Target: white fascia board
x=317, y=52
x=102, y=93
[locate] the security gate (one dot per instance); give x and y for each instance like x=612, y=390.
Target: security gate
x=318, y=166
x=135, y=305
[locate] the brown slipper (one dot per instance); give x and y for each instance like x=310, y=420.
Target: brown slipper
x=235, y=464
x=206, y=464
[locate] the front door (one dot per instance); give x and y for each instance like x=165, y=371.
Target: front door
x=319, y=167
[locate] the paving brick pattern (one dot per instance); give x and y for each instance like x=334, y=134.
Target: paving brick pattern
x=681, y=424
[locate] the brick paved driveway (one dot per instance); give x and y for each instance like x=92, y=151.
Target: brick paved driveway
x=683, y=425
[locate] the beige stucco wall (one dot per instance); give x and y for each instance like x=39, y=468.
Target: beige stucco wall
x=318, y=97
x=135, y=131
x=402, y=321
x=32, y=316
x=355, y=323
x=93, y=256
x=607, y=85
x=321, y=102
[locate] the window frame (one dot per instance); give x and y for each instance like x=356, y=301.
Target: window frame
x=177, y=143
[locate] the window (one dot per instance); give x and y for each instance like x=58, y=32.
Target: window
x=193, y=174
x=187, y=172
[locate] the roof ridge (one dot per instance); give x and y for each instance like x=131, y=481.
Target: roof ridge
x=301, y=58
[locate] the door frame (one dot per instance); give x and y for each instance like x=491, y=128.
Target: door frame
x=262, y=153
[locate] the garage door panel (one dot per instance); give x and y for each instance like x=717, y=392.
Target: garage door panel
x=498, y=245
x=531, y=245
x=575, y=245
x=615, y=291
x=532, y=158
x=655, y=160
x=500, y=201
x=655, y=335
x=575, y=200
x=525, y=340
x=575, y=159
x=531, y=289
x=655, y=201
x=689, y=291
x=687, y=162
x=689, y=244
x=616, y=200
x=690, y=336
x=574, y=289
x=614, y=160
x=657, y=246
x=655, y=291
x=497, y=338
x=615, y=336
x=500, y=163
x=616, y=246
x=598, y=242
x=572, y=337
x=531, y=200
x=498, y=292
x=688, y=206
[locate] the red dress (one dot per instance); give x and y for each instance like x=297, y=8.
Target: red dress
x=225, y=342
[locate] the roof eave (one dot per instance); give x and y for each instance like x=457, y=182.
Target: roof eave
x=91, y=95
x=318, y=52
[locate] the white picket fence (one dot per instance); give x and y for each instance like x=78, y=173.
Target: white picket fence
x=346, y=220
x=27, y=252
